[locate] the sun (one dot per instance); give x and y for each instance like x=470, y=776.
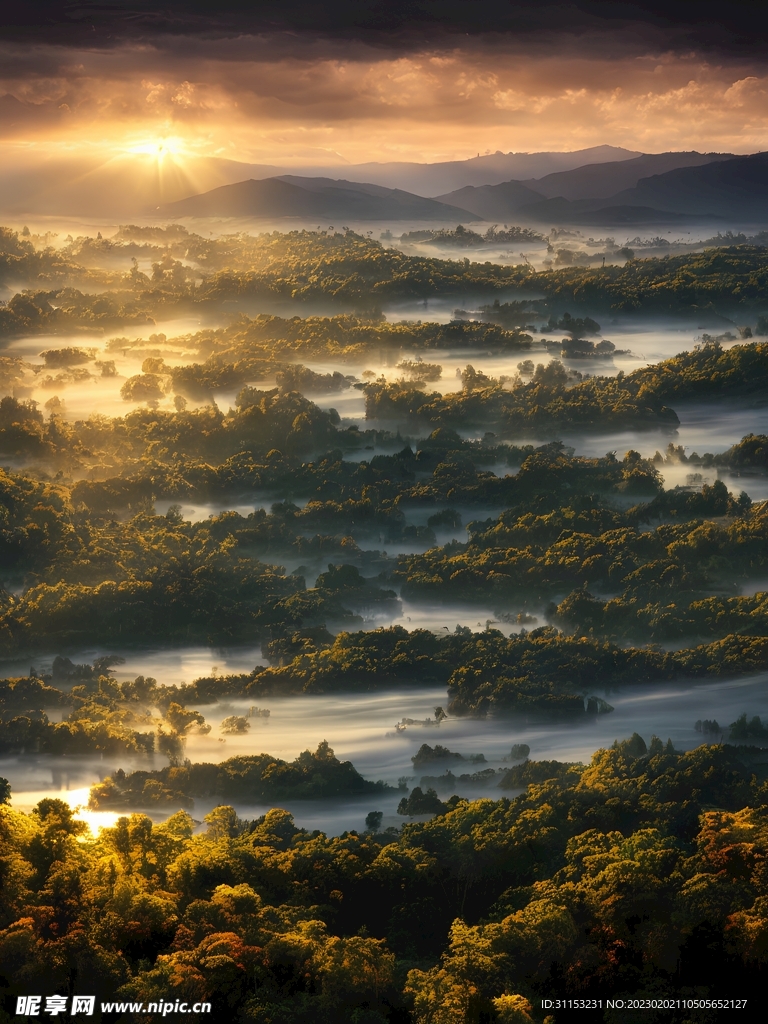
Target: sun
x=167, y=147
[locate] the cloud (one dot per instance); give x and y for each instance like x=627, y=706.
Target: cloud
x=284, y=83
x=403, y=25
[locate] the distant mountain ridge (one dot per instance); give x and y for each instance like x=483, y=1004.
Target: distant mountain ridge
x=130, y=185
x=493, y=202
x=728, y=188
x=488, y=169
x=322, y=198
x=710, y=185
x=617, y=192
x=595, y=178
x=603, y=180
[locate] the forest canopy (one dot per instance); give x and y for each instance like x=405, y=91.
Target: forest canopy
x=65, y=290
x=640, y=872
x=283, y=471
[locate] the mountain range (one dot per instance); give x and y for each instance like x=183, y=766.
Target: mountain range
x=685, y=186
x=324, y=198
x=488, y=169
x=603, y=180
x=733, y=189
x=130, y=184
x=666, y=186
x=591, y=181
x=728, y=188
x=620, y=187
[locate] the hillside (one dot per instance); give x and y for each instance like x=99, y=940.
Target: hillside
x=725, y=187
x=736, y=188
x=488, y=169
x=323, y=198
x=601, y=181
x=493, y=202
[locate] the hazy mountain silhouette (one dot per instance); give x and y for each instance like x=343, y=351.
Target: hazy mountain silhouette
x=323, y=198
x=735, y=188
x=490, y=169
x=493, y=202
x=598, y=213
x=603, y=180
x=130, y=184
x=709, y=185
x=126, y=185
x=625, y=187
x=706, y=186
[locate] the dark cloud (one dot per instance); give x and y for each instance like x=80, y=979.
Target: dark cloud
x=281, y=81
x=732, y=28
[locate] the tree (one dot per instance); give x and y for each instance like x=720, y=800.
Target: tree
x=513, y=1009
x=373, y=820
x=235, y=725
x=421, y=803
x=182, y=720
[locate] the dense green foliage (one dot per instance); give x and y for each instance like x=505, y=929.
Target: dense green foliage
x=552, y=402
x=98, y=714
x=250, y=778
x=301, y=266
x=89, y=576
x=466, y=238
x=664, y=577
x=190, y=272
x=539, y=673
x=639, y=875
x=726, y=279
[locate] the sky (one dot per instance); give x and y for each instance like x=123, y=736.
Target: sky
x=303, y=84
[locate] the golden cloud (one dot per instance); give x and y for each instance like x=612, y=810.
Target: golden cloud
x=285, y=100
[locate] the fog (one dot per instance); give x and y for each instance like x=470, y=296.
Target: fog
x=704, y=428
x=361, y=728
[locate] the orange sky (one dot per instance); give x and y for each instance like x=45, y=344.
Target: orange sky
x=285, y=98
